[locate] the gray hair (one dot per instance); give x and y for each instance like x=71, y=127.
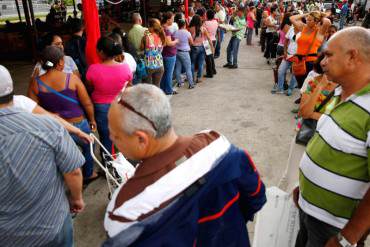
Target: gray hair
x=355, y=37
x=136, y=17
x=150, y=101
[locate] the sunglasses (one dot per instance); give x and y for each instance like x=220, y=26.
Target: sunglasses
x=131, y=108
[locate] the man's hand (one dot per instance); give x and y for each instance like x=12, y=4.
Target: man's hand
x=333, y=242
x=296, y=196
x=76, y=206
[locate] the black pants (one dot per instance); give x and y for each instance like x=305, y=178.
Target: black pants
x=301, y=78
x=263, y=39
x=313, y=232
x=270, y=51
x=210, y=63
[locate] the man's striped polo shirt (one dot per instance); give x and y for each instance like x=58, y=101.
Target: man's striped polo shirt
x=334, y=171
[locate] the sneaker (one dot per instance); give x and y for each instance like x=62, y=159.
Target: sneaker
x=235, y=66
x=277, y=91
x=180, y=84
x=227, y=65
x=208, y=76
x=289, y=92
x=199, y=80
x=191, y=86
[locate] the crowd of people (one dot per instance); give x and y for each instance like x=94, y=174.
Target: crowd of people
x=193, y=190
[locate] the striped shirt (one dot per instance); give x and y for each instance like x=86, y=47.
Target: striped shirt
x=35, y=151
x=334, y=171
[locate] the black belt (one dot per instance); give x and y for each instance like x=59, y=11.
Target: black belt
x=308, y=55
x=182, y=51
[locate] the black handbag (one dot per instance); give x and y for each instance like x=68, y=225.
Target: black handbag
x=308, y=127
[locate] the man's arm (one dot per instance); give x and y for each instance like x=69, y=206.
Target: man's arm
x=73, y=181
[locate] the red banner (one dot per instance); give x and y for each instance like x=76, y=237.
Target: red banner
x=92, y=29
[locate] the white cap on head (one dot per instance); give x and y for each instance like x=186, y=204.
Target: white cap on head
x=6, y=82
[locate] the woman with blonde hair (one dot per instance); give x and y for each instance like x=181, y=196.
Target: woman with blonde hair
x=310, y=39
x=152, y=43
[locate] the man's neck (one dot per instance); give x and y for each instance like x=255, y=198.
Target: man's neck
x=2, y=106
x=163, y=143
x=354, y=84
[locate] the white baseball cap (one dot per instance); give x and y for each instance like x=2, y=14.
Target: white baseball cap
x=6, y=82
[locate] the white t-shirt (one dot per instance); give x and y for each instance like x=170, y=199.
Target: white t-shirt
x=69, y=66
x=173, y=28
x=292, y=47
x=24, y=103
x=274, y=22
x=130, y=61
x=220, y=16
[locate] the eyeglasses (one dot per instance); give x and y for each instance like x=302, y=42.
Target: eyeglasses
x=131, y=108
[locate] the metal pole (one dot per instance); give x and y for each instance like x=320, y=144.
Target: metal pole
x=30, y=7
x=74, y=9
x=26, y=13
x=18, y=10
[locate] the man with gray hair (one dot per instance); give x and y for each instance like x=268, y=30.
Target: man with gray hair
x=136, y=33
x=334, y=189
x=185, y=190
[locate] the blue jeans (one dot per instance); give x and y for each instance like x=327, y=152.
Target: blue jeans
x=232, y=51
x=342, y=21
x=65, y=237
x=220, y=38
x=183, y=61
x=88, y=167
x=283, y=68
x=101, y=117
x=198, y=55
x=169, y=66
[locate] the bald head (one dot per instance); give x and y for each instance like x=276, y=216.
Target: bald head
x=357, y=38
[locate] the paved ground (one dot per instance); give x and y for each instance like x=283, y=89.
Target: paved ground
x=237, y=103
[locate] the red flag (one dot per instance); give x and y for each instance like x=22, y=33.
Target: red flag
x=211, y=3
x=186, y=3
x=92, y=29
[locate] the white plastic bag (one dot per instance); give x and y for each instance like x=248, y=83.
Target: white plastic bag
x=124, y=168
x=278, y=222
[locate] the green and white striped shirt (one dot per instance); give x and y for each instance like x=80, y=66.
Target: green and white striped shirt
x=335, y=169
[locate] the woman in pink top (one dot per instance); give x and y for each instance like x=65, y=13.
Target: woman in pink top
x=106, y=80
x=251, y=19
x=211, y=25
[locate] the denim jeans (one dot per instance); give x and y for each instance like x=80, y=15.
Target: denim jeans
x=197, y=57
x=88, y=167
x=101, y=117
x=183, y=61
x=220, y=38
x=342, y=21
x=232, y=51
x=313, y=232
x=283, y=68
x=169, y=66
x=249, y=36
x=65, y=237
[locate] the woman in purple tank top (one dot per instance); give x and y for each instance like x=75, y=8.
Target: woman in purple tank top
x=65, y=95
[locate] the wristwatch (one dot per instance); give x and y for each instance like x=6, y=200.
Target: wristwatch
x=344, y=242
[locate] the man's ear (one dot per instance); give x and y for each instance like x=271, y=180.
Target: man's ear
x=142, y=138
